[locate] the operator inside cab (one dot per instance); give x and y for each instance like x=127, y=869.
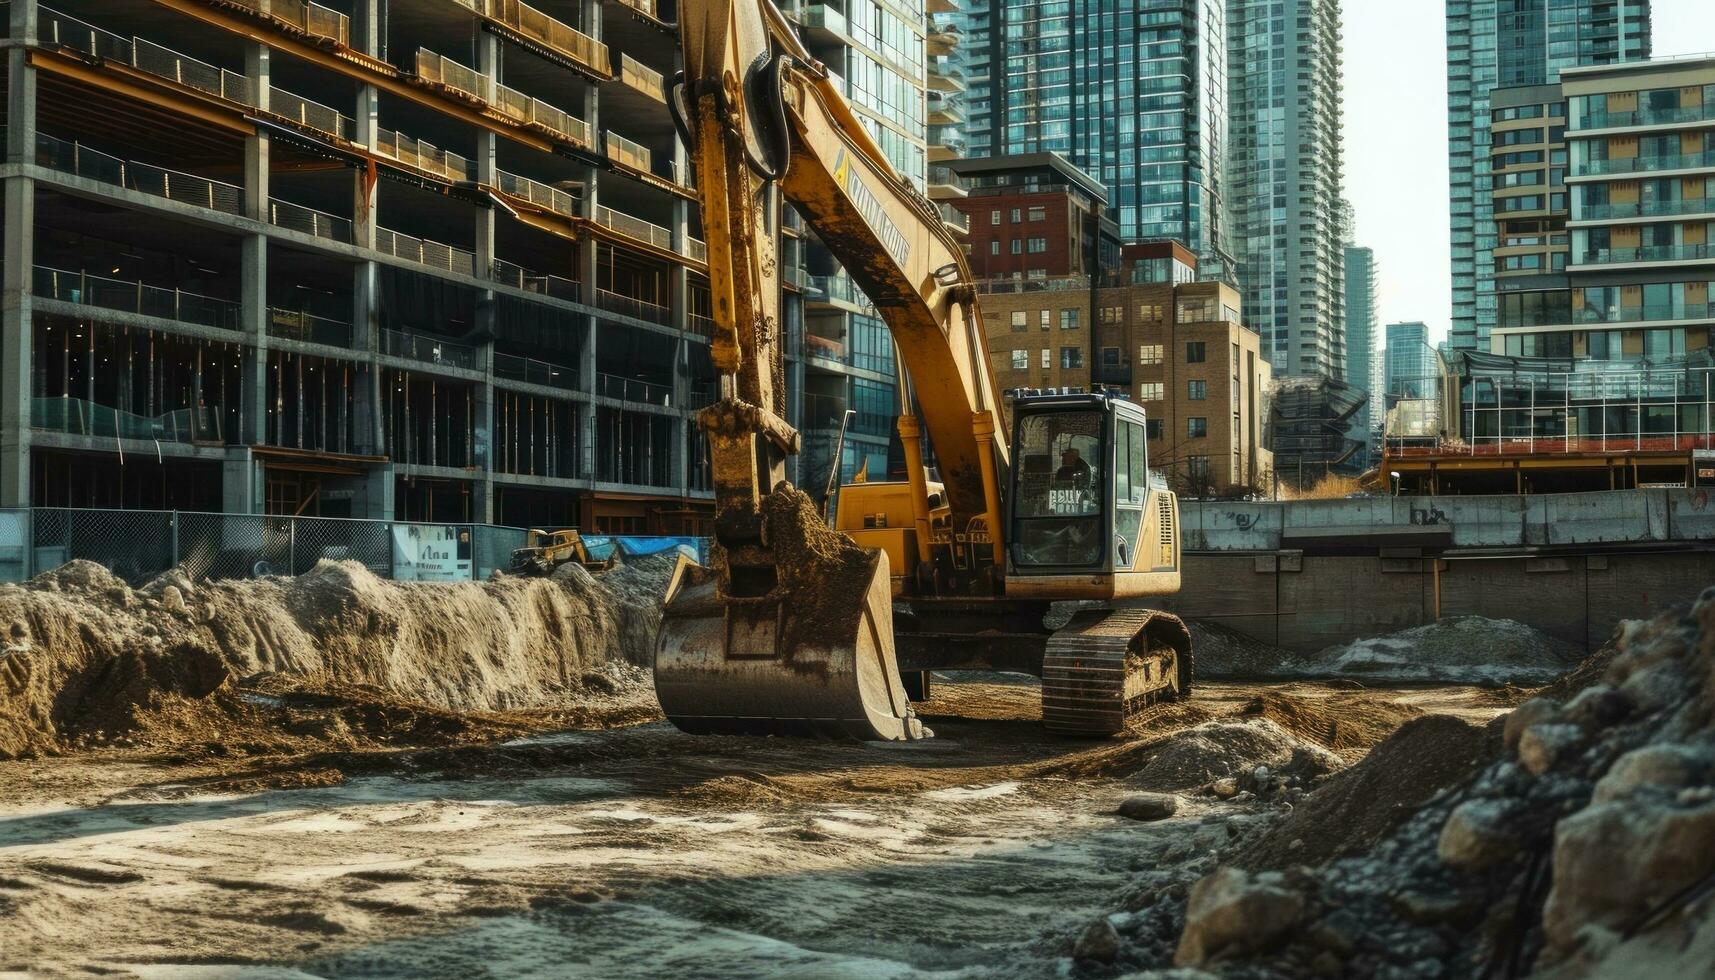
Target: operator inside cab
x=1059, y=508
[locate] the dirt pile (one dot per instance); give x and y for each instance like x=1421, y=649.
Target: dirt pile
x=1224, y=652
x=87, y=657
x=1575, y=837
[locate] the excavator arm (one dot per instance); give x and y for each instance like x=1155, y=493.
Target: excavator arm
x=762, y=118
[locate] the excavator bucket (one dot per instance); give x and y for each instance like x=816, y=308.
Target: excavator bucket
x=813, y=658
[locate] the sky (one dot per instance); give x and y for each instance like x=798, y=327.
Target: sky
x=1396, y=140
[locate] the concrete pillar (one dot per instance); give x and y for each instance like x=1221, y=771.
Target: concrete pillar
x=366, y=28
x=242, y=483
x=253, y=307
x=378, y=500
x=17, y=262
x=487, y=173
x=365, y=196
x=488, y=62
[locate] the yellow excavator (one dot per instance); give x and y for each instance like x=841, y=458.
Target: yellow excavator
x=795, y=628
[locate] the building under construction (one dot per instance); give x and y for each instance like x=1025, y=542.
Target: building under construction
x=1310, y=425
x=406, y=259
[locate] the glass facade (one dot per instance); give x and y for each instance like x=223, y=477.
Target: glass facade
x=1133, y=93
x=1363, y=347
x=1286, y=168
x=1497, y=43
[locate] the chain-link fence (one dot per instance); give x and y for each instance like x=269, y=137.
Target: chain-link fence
x=137, y=545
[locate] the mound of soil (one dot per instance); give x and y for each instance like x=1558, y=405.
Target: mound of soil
x=1457, y=650
x=1225, y=653
x=87, y=657
x=1219, y=749
x=1349, y=723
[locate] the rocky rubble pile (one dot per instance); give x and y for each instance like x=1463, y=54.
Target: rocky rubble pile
x=1575, y=837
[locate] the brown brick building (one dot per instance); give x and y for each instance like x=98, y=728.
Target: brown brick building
x=1174, y=344
x=1035, y=215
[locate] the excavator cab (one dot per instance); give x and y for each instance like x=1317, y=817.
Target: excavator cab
x=1084, y=506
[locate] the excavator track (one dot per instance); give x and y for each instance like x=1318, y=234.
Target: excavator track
x=1105, y=667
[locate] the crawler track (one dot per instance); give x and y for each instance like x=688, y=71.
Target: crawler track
x=1106, y=666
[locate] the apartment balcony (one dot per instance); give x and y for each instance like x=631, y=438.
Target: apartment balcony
x=642, y=78
x=532, y=371
x=310, y=19
x=309, y=221
x=1648, y=253
x=1644, y=209
x=956, y=221
x=946, y=109
x=824, y=24
x=1662, y=313
x=55, y=29
x=429, y=350
x=944, y=184
x=518, y=277
x=435, y=255
x=423, y=156
x=81, y=161
x=78, y=417
x=631, y=306
x=554, y=36
x=471, y=85
x=942, y=38
x=634, y=228
x=537, y=194
x=124, y=296
x=1642, y=118
x=626, y=153
x=1649, y=164
x=633, y=390
x=307, y=328
x=946, y=75
x=837, y=291
x=696, y=250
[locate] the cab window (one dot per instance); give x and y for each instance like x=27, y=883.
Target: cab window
x=1062, y=473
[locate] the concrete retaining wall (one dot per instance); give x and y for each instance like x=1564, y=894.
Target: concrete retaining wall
x=1542, y=520
x=1304, y=603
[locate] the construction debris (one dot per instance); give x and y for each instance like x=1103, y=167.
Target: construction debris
x=89, y=658
x=1575, y=836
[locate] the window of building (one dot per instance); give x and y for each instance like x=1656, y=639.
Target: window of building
x=1047, y=361
x=1110, y=357
x=1043, y=319
x=1196, y=427
x=1017, y=247
x=994, y=246
x=1015, y=213
x=1021, y=360
x=1149, y=354
x=1197, y=468
x=994, y=217
x=1150, y=391
x=1020, y=320
x=1038, y=214
x=1038, y=245
x=1196, y=390
x=1069, y=319
x=1149, y=311
x=1196, y=352
x=1071, y=357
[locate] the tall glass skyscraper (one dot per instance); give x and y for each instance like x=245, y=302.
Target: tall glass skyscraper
x=1133, y=92
x=1363, y=347
x=1496, y=44
x=1285, y=168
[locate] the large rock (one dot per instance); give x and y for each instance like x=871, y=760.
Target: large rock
x=1230, y=911
x=1615, y=860
x=1478, y=835
x=1542, y=747
x=1149, y=806
x=1099, y=942
x=1668, y=766
x=1536, y=711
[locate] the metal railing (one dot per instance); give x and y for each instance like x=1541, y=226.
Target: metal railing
x=633, y=390
x=1631, y=314
x=308, y=328
x=447, y=73
x=310, y=18
x=632, y=227
x=309, y=220
x=423, y=156
x=941, y=175
x=517, y=276
x=78, y=417
x=536, y=372
x=614, y=302
x=838, y=289
x=75, y=158
x=700, y=324
x=431, y=350
x=646, y=6
x=55, y=28
x=642, y=78
x=432, y=254
x=310, y=115
x=534, y=112
x=135, y=297
x=1627, y=165
x=538, y=193
x=1646, y=209
x=697, y=249
x=633, y=155
x=538, y=26
x=1648, y=253
x=1642, y=117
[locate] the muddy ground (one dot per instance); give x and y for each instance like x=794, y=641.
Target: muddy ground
x=597, y=849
